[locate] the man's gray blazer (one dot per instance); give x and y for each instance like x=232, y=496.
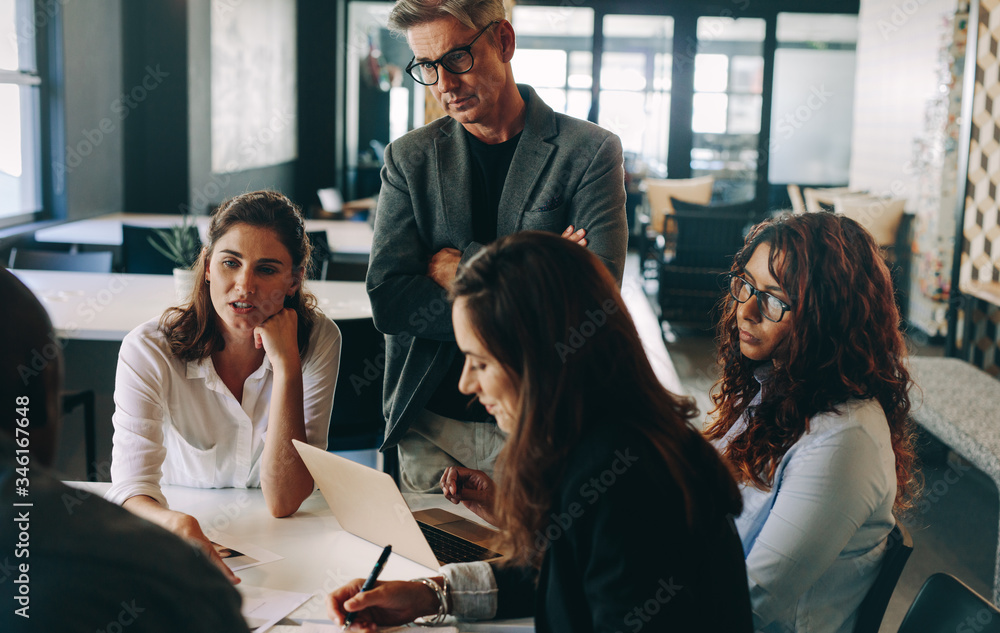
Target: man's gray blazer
x=564, y=171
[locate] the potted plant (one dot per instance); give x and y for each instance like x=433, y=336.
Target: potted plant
x=181, y=245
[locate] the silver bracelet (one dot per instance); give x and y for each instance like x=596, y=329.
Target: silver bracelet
x=442, y=596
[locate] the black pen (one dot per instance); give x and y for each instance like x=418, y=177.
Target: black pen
x=370, y=582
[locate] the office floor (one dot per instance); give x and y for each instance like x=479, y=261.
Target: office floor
x=954, y=529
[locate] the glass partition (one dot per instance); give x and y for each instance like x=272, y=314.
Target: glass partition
x=812, y=108
x=383, y=102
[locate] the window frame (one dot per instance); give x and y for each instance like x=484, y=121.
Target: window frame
x=45, y=31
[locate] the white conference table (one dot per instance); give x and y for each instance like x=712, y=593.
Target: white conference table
x=107, y=306
x=318, y=555
x=344, y=236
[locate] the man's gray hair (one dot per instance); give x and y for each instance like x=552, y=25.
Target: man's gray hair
x=474, y=14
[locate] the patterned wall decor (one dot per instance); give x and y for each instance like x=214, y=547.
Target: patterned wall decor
x=980, y=265
x=935, y=166
x=983, y=352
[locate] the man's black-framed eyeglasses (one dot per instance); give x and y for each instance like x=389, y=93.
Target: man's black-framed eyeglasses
x=457, y=61
x=770, y=307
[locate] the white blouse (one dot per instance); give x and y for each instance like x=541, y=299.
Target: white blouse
x=177, y=423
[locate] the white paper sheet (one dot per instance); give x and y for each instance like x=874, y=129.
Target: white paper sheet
x=263, y=608
x=237, y=554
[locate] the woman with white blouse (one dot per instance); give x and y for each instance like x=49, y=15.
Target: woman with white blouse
x=812, y=412
x=211, y=394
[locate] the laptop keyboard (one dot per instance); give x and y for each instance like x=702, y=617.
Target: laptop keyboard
x=449, y=548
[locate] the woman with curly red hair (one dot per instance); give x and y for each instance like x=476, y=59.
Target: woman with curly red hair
x=812, y=412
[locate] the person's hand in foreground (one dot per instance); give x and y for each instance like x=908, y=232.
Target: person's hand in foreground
x=472, y=488
x=183, y=525
x=390, y=603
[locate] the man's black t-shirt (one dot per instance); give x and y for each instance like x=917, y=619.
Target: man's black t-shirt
x=490, y=164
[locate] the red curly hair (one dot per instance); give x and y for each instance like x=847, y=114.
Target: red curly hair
x=845, y=343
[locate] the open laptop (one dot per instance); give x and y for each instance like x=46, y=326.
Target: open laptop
x=368, y=504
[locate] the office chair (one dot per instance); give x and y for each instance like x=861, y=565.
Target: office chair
x=946, y=605
x=139, y=256
x=872, y=609
x=659, y=194
x=97, y=262
x=699, y=242
x=795, y=197
x=320, y=255
x=357, y=422
x=348, y=267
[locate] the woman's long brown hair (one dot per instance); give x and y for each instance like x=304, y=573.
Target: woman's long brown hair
x=191, y=330
x=845, y=344
x=549, y=311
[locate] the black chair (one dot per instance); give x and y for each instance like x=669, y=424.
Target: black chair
x=872, y=609
x=946, y=605
x=139, y=256
x=348, y=267
x=94, y=262
x=899, y=257
x=357, y=422
x=698, y=245
x=320, y=255
x=85, y=399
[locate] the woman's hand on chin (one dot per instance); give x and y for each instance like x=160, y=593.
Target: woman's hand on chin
x=278, y=336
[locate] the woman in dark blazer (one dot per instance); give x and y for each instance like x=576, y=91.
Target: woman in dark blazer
x=616, y=513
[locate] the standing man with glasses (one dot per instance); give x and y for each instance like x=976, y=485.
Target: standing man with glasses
x=501, y=161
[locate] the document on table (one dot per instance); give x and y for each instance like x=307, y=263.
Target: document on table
x=263, y=608
x=239, y=554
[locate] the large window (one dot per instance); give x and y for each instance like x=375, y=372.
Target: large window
x=728, y=84
x=554, y=55
x=635, y=83
x=638, y=75
x=20, y=184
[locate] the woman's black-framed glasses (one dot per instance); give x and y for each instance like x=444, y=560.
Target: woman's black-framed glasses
x=457, y=61
x=771, y=307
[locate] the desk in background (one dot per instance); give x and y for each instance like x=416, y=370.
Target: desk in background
x=344, y=236
x=318, y=555
x=107, y=306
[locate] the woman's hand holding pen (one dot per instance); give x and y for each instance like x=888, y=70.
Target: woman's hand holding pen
x=472, y=488
x=390, y=603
